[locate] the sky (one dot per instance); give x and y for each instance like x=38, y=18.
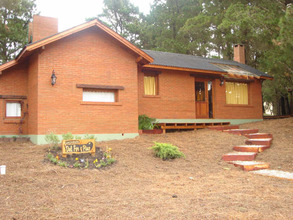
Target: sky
x=74, y=12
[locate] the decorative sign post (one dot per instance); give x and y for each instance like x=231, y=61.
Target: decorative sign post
x=78, y=147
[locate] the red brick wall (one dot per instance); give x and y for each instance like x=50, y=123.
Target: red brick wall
x=252, y=111
x=88, y=57
x=13, y=82
x=176, y=99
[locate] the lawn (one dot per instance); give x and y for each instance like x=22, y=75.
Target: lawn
x=140, y=186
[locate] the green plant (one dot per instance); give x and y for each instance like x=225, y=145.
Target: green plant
x=166, y=151
x=62, y=164
x=110, y=161
x=86, y=164
x=77, y=137
x=103, y=163
x=88, y=136
x=145, y=122
x=52, y=158
x=52, y=139
x=67, y=136
x=76, y=164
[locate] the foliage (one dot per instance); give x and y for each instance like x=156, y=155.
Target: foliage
x=15, y=16
x=76, y=164
x=88, y=136
x=52, y=139
x=67, y=136
x=145, y=122
x=166, y=151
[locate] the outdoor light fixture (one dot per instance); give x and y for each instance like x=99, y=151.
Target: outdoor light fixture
x=221, y=81
x=53, y=78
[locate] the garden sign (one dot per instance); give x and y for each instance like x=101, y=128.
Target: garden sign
x=78, y=147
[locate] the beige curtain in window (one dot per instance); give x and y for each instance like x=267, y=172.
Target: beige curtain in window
x=150, y=85
x=236, y=93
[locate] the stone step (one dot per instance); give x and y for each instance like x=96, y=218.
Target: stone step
x=263, y=141
x=259, y=135
x=241, y=131
x=250, y=165
x=251, y=148
x=239, y=156
x=224, y=127
x=275, y=173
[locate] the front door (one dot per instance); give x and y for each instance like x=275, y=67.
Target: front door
x=203, y=98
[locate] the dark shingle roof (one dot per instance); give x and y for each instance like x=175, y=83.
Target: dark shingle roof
x=196, y=62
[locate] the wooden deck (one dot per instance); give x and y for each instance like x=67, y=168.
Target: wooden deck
x=187, y=126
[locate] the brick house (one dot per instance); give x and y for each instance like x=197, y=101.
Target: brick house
x=104, y=83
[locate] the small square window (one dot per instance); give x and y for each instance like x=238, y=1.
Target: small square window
x=99, y=96
x=13, y=109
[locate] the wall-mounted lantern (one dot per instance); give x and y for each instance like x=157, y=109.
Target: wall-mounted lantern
x=53, y=78
x=221, y=81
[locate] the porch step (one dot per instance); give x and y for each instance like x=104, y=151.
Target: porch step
x=239, y=156
x=225, y=127
x=241, y=131
x=259, y=135
x=263, y=141
x=275, y=173
x=251, y=148
x=250, y=165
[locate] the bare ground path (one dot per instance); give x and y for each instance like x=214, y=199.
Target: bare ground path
x=140, y=186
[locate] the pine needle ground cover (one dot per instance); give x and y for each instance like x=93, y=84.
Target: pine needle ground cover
x=141, y=186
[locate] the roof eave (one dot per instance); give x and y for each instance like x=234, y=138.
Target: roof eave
x=153, y=66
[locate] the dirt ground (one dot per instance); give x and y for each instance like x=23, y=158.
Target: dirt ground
x=140, y=186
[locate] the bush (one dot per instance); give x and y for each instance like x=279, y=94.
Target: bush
x=145, y=122
x=166, y=151
x=52, y=139
x=67, y=136
x=87, y=136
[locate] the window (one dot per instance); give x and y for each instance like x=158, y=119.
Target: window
x=13, y=109
x=236, y=93
x=150, y=85
x=99, y=96
x=199, y=91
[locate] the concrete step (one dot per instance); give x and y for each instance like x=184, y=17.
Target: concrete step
x=275, y=173
x=239, y=156
x=263, y=141
x=224, y=127
x=250, y=165
x=259, y=135
x=251, y=148
x=241, y=131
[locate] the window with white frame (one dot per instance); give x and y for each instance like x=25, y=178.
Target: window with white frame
x=99, y=96
x=13, y=109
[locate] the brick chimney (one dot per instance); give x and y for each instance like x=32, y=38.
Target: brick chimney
x=42, y=27
x=239, y=53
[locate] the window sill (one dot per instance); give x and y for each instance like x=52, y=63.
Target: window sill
x=102, y=103
x=13, y=121
x=239, y=105
x=151, y=96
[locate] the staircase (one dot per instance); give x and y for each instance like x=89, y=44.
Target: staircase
x=244, y=156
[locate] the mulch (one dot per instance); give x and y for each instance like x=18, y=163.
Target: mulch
x=140, y=186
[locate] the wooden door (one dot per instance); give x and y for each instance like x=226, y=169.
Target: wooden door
x=201, y=99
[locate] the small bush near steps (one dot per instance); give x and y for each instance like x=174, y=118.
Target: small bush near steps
x=166, y=151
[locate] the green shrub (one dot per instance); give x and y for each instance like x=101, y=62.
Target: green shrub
x=67, y=136
x=145, y=122
x=52, y=139
x=88, y=136
x=166, y=151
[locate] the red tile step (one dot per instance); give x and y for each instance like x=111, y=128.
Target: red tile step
x=251, y=148
x=241, y=131
x=250, y=165
x=259, y=135
x=224, y=127
x=239, y=156
x=263, y=141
